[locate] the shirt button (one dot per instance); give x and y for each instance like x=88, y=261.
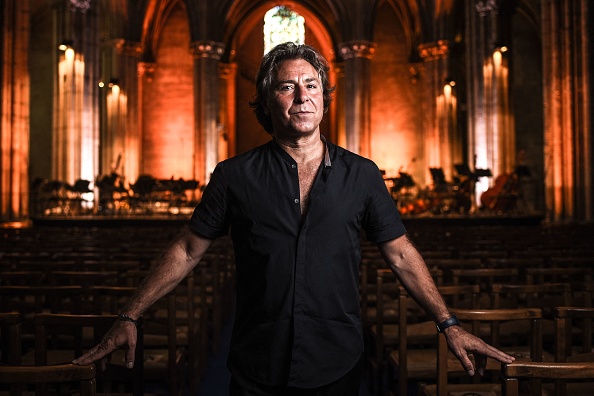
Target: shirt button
x=293, y=166
x=296, y=200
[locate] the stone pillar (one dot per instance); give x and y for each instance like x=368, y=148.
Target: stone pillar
x=491, y=134
x=76, y=108
x=339, y=100
x=207, y=55
x=439, y=108
x=227, y=109
x=357, y=57
x=146, y=75
x=14, y=109
x=126, y=138
x=567, y=82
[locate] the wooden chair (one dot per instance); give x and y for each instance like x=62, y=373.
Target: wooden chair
x=174, y=337
x=544, y=296
x=59, y=338
x=484, y=277
x=64, y=374
x=449, y=368
x=416, y=355
x=10, y=340
x=514, y=372
x=573, y=343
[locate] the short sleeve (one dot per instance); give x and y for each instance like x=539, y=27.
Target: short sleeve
x=382, y=221
x=210, y=216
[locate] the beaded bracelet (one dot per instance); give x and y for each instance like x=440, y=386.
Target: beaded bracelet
x=126, y=318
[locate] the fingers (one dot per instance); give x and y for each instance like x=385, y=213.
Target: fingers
x=118, y=335
x=96, y=353
x=480, y=361
x=130, y=353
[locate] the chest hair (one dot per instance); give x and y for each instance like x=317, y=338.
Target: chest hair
x=307, y=173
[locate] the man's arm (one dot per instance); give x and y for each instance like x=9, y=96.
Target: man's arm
x=167, y=272
x=410, y=268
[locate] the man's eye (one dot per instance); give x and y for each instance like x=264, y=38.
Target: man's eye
x=286, y=87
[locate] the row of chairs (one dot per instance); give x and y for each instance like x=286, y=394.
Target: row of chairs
x=393, y=324
x=179, y=331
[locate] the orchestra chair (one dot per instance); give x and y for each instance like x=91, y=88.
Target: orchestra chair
x=70, y=375
x=60, y=338
x=513, y=373
x=415, y=354
x=451, y=376
x=573, y=343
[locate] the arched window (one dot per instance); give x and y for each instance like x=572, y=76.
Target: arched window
x=281, y=25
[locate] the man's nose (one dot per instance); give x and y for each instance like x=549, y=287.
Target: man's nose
x=301, y=95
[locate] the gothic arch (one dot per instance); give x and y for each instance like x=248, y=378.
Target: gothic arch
x=157, y=12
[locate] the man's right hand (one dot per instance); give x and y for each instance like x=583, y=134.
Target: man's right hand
x=121, y=334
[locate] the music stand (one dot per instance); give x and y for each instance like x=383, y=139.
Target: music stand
x=463, y=170
x=483, y=173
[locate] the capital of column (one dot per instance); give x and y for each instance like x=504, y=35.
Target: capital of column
x=80, y=5
x=357, y=49
x=127, y=47
x=432, y=51
x=147, y=69
x=207, y=49
x=484, y=7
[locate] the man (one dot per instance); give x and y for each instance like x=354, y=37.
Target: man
x=295, y=208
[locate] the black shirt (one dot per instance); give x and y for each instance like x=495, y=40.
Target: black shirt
x=297, y=316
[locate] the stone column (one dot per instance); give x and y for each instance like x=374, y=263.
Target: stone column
x=207, y=55
x=146, y=75
x=130, y=137
x=491, y=134
x=227, y=110
x=357, y=57
x=76, y=108
x=14, y=109
x=569, y=160
x=439, y=108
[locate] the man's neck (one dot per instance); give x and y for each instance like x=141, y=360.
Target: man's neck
x=304, y=149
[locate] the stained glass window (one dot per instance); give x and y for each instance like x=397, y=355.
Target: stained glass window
x=281, y=25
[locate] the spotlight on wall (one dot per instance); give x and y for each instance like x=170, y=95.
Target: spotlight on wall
x=65, y=45
x=114, y=86
x=501, y=48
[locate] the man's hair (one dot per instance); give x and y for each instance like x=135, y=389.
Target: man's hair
x=266, y=75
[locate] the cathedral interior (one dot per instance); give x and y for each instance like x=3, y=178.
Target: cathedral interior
x=475, y=110
x=125, y=107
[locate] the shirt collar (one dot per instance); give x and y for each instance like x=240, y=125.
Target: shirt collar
x=327, y=162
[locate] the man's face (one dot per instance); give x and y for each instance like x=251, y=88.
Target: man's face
x=296, y=103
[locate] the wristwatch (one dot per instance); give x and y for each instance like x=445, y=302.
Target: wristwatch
x=451, y=321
